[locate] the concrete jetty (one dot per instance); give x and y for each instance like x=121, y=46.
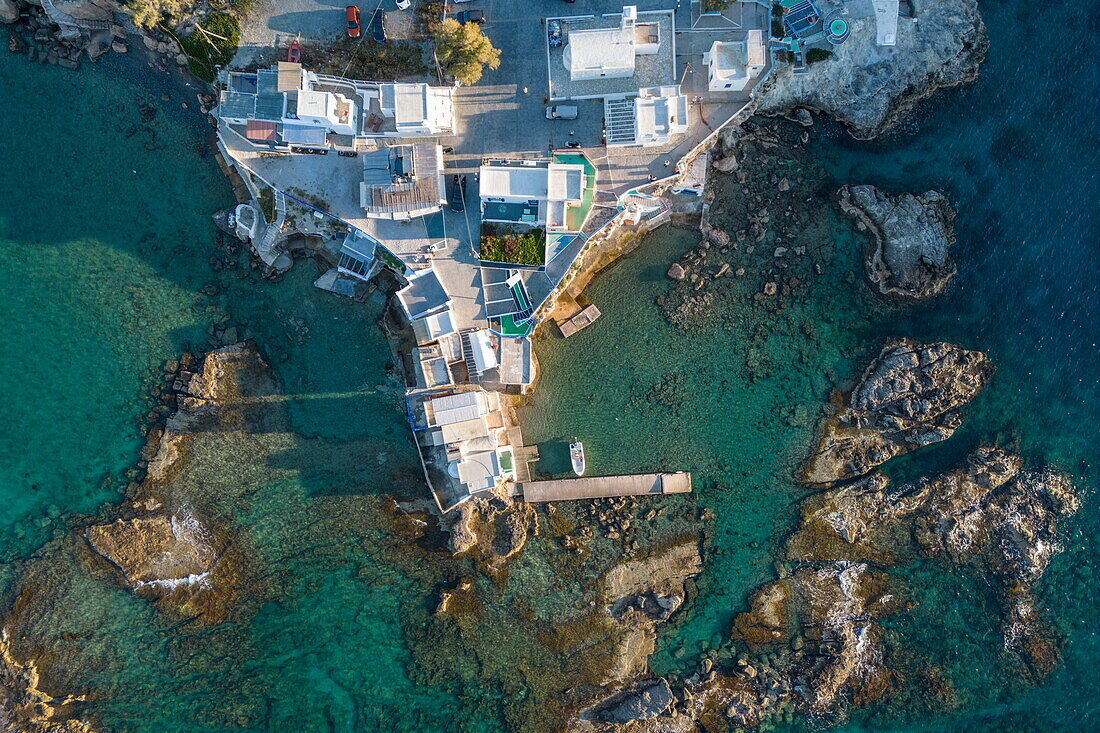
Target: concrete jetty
x=598, y=487
x=578, y=321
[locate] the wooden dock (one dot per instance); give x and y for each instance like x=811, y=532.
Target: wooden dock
x=579, y=320
x=599, y=487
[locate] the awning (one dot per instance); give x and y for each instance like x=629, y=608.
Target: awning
x=485, y=357
x=260, y=131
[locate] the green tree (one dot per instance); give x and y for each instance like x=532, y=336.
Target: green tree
x=463, y=50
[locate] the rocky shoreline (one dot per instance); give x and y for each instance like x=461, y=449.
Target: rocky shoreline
x=868, y=87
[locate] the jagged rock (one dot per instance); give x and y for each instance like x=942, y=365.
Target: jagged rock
x=645, y=701
x=676, y=271
x=991, y=514
x=910, y=237
x=911, y=395
x=9, y=11
x=867, y=86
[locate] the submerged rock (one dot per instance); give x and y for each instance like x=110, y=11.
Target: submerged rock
x=991, y=514
x=911, y=395
x=910, y=237
x=867, y=86
x=26, y=708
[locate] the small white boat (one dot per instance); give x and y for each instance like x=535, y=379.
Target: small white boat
x=576, y=455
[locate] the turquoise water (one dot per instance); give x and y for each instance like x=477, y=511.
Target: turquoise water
x=106, y=236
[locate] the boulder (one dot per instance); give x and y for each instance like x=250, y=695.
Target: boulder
x=676, y=271
x=644, y=701
x=907, y=257
x=9, y=11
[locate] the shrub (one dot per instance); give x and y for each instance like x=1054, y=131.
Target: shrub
x=368, y=60
x=211, y=44
x=817, y=54
x=515, y=245
x=267, y=204
x=463, y=51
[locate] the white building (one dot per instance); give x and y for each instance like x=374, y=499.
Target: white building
x=652, y=118
x=733, y=65
x=610, y=53
x=287, y=107
x=468, y=425
x=531, y=192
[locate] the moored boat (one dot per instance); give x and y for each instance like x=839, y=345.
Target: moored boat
x=576, y=455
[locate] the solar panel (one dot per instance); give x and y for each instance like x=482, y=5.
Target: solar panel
x=235, y=105
x=268, y=81
x=269, y=107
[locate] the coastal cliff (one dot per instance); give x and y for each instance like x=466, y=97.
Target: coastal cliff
x=909, y=238
x=909, y=396
x=866, y=86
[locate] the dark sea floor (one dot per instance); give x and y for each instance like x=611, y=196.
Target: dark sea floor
x=107, y=238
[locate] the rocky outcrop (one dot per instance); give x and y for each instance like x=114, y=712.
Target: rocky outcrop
x=822, y=627
x=911, y=395
x=643, y=701
x=867, y=86
x=26, y=708
x=164, y=546
x=492, y=527
x=991, y=514
x=910, y=236
x=9, y=11
x=160, y=555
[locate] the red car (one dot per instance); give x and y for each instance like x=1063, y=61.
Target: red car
x=294, y=51
x=351, y=14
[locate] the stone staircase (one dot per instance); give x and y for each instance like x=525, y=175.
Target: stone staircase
x=619, y=114
x=66, y=21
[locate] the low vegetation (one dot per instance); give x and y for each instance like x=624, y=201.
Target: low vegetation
x=818, y=54
x=211, y=44
x=349, y=57
x=512, y=244
x=464, y=51
x=716, y=6
x=429, y=14
x=267, y=204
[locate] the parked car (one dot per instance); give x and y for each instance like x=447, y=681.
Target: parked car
x=378, y=26
x=294, y=51
x=404, y=4
x=553, y=33
x=471, y=16
x=561, y=112
x=351, y=15
x=458, y=193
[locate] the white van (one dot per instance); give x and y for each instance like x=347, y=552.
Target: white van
x=561, y=112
